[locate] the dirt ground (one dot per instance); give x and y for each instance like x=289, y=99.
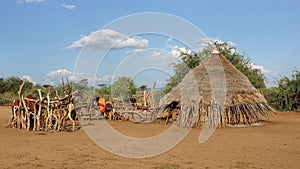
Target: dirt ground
x=276, y=144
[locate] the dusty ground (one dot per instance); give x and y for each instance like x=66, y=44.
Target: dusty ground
x=276, y=144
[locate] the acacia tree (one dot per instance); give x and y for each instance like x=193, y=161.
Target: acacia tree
x=143, y=88
x=12, y=84
x=84, y=90
x=191, y=60
x=2, y=85
x=123, y=87
x=9, y=88
x=104, y=90
x=286, y=96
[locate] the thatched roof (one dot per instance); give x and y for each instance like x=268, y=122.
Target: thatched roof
x=216, y=90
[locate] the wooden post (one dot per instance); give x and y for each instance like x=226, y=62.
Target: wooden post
x=49, y=115
x=27, y=115
x=40, y=110
x=144, y=99
x=20, y=116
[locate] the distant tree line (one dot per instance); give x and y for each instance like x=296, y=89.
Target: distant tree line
x=9, y=88
x=123, y=87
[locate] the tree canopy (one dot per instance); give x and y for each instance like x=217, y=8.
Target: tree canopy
x=243, y=64
x=286, y=96
x=123, y=88
x=191, y=60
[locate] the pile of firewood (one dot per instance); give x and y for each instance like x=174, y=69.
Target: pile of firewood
x=44, y=113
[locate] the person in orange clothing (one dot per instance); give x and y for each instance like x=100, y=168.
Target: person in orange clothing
x=102, y=105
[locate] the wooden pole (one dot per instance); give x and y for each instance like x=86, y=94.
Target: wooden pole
x=20, y=116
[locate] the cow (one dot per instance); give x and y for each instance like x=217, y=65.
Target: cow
x=14, y=110
x=109, y=111
x=19, y=117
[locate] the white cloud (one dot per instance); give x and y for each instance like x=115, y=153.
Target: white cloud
x=164, y=57
x=105, y=78
x=207, y=41
x=204, y=42
x=59, y=72
x=232, y=51
x=168, y=42
x=176, y=51
x=230, y=43
x=54, y=77
x=69, y=6
x=264, y=70
x=28, y=78
x=30, y=1
x=272, y=77
x=106, y=39
x=134, y=51
x=92, y=79
x=261, y=67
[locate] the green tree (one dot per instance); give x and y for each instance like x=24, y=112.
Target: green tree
x=180, y=70
x=191, y=60
x=9, y=88
x=2, y=85
x=287, y=95
x=84, y=82
x=85, y=91
x=12, y=84
x=103, y=91
x=243, y=64
x=123, y=87
x=143, y=88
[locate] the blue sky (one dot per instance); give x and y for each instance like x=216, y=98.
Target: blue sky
x=36, y=35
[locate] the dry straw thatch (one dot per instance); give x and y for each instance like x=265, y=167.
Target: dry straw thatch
x=198, y=93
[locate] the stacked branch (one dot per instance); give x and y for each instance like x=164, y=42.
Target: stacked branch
x=44, y=113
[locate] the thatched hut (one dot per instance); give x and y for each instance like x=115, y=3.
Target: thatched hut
x=215, y=92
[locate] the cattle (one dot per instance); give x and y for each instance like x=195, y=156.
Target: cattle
x=46, y=111
x=109, y=111
x=19, y=116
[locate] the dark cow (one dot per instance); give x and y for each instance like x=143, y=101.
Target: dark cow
x=109, y=113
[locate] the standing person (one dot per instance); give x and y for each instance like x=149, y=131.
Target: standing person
x=102, y=106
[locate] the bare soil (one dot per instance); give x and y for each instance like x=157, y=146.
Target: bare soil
x=276, y=144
